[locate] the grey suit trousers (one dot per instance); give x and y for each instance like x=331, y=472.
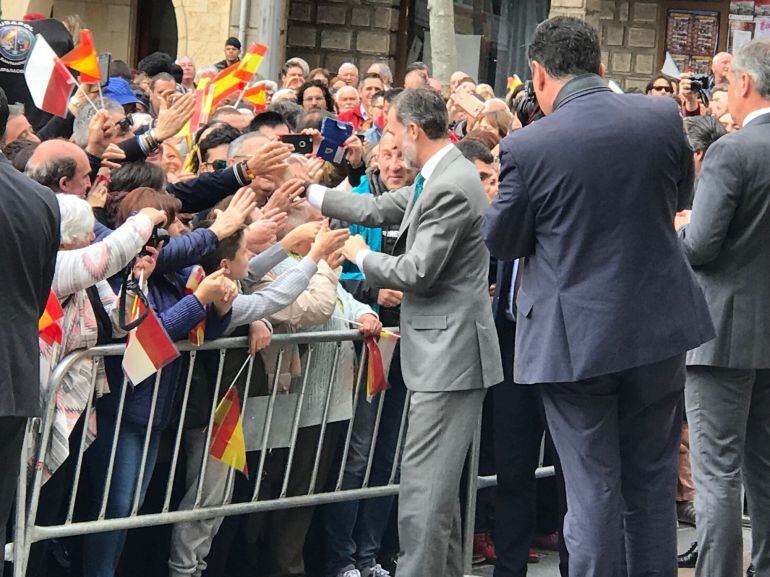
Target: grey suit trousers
x=728, y=411
x=618, y=439
x=439, y=434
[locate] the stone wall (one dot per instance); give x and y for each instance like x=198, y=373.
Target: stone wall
x=630, y=41
x=112, y=23
x=629, y=35
x=330, y=33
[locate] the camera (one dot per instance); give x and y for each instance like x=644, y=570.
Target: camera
x=527, y=108
x=158, y=235
x=699, y=82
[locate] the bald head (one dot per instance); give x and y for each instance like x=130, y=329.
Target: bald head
x=720, y=65
x=61, y=166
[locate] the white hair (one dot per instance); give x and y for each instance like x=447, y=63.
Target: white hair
x=754, y=60
x=302, y=63
x=347, y=65
x=339, y=92
x=77, y=219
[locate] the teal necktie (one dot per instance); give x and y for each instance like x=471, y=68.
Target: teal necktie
x=419, y=183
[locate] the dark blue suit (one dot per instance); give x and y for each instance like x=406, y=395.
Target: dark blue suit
x=607, y=308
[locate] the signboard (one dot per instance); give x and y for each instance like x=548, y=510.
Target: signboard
x=692, y=37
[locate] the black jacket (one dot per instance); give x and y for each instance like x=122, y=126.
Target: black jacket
x=29, y=225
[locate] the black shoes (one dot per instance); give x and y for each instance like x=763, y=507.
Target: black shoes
x=689, y=558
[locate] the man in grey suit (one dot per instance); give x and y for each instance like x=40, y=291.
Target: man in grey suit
x=608, y=304
x=449, y=349
x=728, y=379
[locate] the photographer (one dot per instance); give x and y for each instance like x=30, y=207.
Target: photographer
x=692, y=94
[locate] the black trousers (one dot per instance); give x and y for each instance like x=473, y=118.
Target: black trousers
x=12, y=434
x=519, y=425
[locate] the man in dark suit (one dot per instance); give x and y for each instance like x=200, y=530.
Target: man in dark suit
x=728, y=378
x=608, y=305
x=29, y=219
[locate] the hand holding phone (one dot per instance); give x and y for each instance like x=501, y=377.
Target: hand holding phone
x=302, y=143
x=469, y=103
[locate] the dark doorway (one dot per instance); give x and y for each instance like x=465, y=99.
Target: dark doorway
x=156, y=28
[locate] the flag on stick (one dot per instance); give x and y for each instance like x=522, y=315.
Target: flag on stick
x=50, y=83
x=149, y=348
x=257, y=95
x=380, y=357
x=48, y=327
x=249, y=64
x=227, y=442
x=84, y=58
x=198, y=332
x=225, y=84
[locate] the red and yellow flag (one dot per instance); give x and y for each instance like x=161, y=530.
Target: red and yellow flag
x=249, y=64
x=198, y=332
x=380, y=356
x=225, y=84
x=48, y=326
x=227, y=442
x=84, y=58
x=149, y=347
x=257, y=95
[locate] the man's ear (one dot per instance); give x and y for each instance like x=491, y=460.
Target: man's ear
x=745, y=84
x=602, y=70
x=63, y=182
x=538, y=75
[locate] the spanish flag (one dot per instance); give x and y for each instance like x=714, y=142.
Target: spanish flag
x=514, y=82
x=149, y=348
x=198, y=332
x=227, y=442
x=225, y=84
x=380, y=357
x=257, y=95
x=48, y=327
x=84, y=58
x=249, y=64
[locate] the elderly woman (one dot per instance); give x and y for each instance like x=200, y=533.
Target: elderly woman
x=89, y=306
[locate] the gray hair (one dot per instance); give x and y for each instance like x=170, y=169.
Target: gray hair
x=384, y=71
x=754, y=59
x=50, y=172
x=83, y=119
x=235, y=148
x=425, y=108
x=299, y=62
x=347, y=65
x=77, y=219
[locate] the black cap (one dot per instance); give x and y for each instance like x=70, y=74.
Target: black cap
x=233, y=41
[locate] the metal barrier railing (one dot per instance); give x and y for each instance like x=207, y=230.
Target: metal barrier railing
x=299, y=404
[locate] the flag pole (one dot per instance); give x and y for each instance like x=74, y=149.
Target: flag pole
x=91, y=102
x=101, y=96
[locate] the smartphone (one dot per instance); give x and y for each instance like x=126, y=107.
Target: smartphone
x=105, y=60
x=468, y=103
x=302, y=143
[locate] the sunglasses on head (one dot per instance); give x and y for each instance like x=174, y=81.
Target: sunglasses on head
x=216, y=164
x=663, y=88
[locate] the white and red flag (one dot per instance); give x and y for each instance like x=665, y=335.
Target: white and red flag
x=49, y=81
x=149, y=349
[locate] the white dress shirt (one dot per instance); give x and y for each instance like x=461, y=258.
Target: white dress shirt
x=754, y=115
x=315, y=193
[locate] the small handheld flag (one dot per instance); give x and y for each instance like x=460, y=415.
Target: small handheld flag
x=227, y=441
x=48, y=327
x=149, y=348
x=84, y=58
x=50, y=83
x=380, y=357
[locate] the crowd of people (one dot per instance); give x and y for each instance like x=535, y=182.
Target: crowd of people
x=596, y=296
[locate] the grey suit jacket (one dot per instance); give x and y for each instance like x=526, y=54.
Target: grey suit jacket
x=449, y=338
x=728, y=245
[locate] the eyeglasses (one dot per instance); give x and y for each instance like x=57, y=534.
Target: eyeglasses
x=667, y=89
x=216, y=164
x=125, y=124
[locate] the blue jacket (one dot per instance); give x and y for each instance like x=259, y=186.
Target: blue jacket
x=178, y=314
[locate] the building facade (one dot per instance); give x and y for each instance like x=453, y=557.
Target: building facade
x=491, y=35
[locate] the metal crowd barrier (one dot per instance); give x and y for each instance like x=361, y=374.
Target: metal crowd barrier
x=27, y=531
